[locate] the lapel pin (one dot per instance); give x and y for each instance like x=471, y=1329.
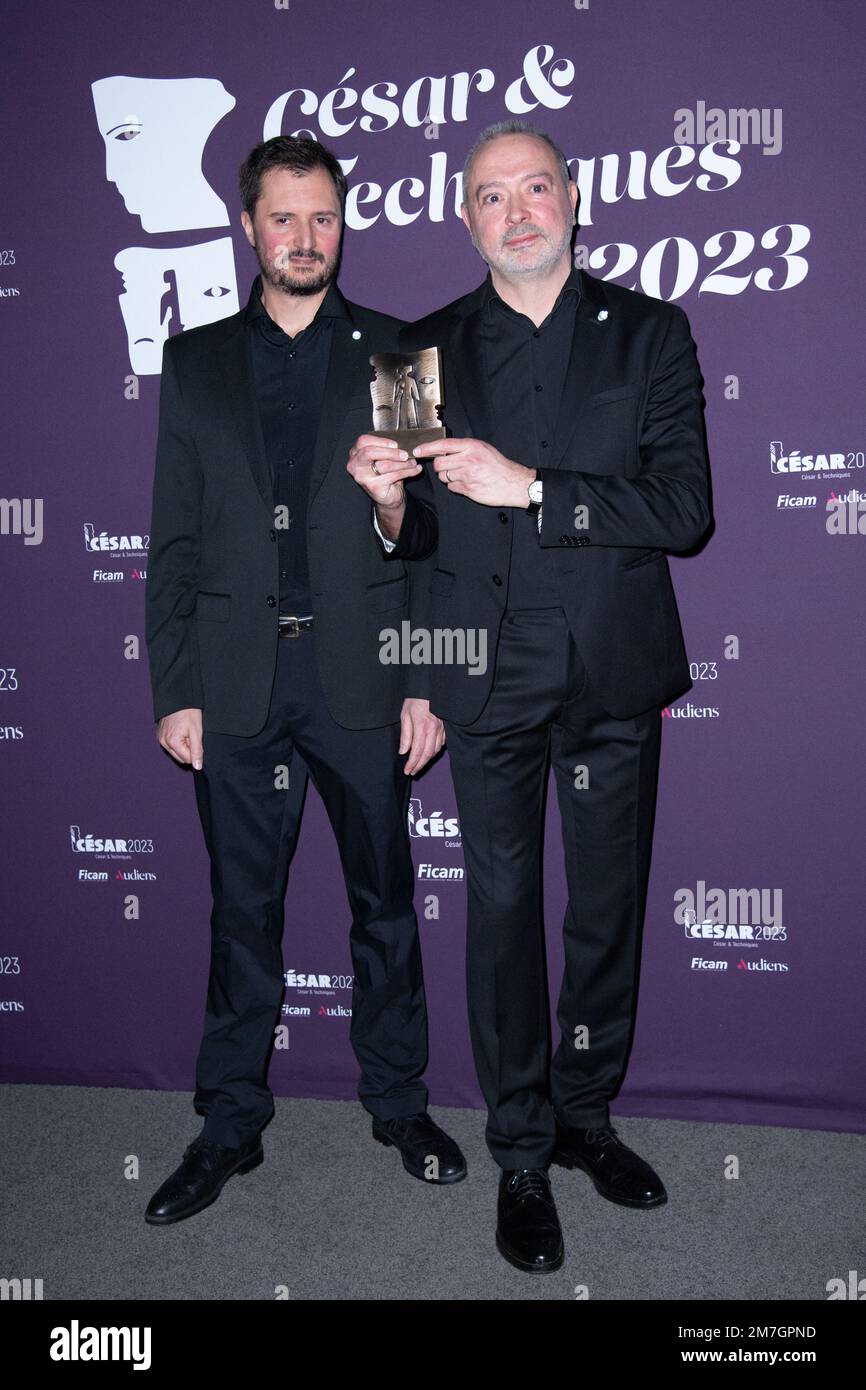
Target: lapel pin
x=357, y=333
x=602, y=315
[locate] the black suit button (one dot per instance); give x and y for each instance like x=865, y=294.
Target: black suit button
x=502, y=517
x=272, y=602
x=497, y=581
x=563, y=540
x=544, y=443
x=538, y=388
x=273, y=535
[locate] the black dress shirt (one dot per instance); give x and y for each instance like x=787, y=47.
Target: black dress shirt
x=526, y=368
x=289, y=377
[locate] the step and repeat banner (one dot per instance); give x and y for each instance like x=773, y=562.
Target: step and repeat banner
x=718, y=153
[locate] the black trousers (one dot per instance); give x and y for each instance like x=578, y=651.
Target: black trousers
x=542, y=709
x=251, y=822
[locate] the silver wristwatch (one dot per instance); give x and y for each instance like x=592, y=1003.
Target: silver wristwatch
x=535, y=491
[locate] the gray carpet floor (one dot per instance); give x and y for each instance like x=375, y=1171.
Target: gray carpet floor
x=331, y=1215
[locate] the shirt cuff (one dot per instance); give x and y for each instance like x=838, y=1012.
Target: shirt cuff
x=389, y=545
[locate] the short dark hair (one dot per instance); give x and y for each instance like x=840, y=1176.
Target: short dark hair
x=493, y=132
x=301, y=155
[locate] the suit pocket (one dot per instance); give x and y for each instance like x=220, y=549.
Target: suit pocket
x=442, y=582
x=616, y=393
x=390, y=593
x=649, y=558
x=214, y=608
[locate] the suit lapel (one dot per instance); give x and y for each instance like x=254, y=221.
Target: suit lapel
x=242, y=403
x=587, y=364
x=349, y=372
x=468, y=380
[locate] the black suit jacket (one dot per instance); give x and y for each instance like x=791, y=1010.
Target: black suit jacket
x=212, y=582
x=629, y=446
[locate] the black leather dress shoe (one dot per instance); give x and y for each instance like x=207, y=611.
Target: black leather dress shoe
x=528, y=1233
x=618, y=1173
x=426, y=1150
x=200, y=1179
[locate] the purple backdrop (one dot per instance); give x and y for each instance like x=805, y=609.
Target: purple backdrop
x=751, y=990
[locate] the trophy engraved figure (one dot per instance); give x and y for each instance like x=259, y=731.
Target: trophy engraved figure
x=407, y=396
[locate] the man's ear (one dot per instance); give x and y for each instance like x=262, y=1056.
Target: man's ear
x=465, y=215
x=247, y=225
x=574, y=194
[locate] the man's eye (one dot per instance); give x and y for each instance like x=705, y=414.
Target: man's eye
x=490, y=197
x=539, y=187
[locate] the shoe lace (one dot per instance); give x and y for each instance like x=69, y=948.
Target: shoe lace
x=602, y=1137
x=208, y=1148
x=422, y=1123
x=529, y=1182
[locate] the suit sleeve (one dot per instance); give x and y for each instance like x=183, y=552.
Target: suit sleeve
x=173, y=559
x=667, y=504
x=419, y=530
x=416, y=544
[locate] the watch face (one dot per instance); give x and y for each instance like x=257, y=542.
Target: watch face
x=535, y=491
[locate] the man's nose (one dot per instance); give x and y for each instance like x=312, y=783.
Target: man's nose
x=516, y=211
x=304, y=238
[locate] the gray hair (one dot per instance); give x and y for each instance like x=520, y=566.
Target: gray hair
x=513, y=127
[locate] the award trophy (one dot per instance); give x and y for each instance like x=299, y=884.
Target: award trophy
x=407, y=396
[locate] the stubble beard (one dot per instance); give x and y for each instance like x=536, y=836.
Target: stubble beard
x=287, y=283
x=506, y=265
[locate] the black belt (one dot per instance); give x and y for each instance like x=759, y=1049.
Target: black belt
x=291, y=626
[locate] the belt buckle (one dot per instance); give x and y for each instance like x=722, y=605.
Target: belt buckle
x=286, y=631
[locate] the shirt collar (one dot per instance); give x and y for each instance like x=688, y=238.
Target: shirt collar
x=572, y=285
x=333, y=306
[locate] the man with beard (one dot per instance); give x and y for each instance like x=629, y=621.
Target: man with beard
x=577, y=459
x=265, y=596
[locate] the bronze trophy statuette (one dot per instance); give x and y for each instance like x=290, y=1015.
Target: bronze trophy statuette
x=407, y=396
